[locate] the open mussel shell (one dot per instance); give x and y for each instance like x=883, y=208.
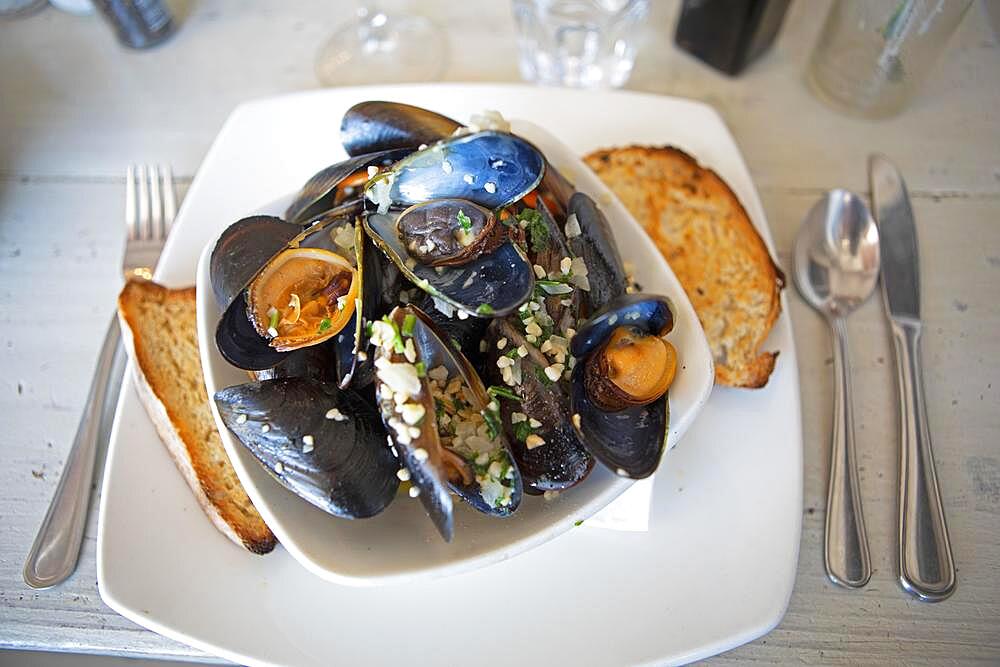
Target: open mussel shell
x=490, y=285
x=417, y=445
x=652, y=313
x=376, y=126
x=596, y=245
x=436, y=352
x=490, y=168
x=630, y=439
x=242, y=249
x=243, y=335
x=561, y=461
x=325, y=445
x=329, y=187
x=447, y=232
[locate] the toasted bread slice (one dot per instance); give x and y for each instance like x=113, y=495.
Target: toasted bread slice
x=707, y=238
x=160, y=335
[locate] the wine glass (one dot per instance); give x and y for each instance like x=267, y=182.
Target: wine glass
x=382, y=48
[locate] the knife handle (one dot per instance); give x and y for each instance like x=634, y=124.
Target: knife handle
x=846, y=550
x=926, y=566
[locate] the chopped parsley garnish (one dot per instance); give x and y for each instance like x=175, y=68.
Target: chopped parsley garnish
x=464, y=220
x=496, y=391
x=578, y=523
x=409, y=322
x=421, y=369
x=484, y=309
x=522, y=430
x=540, y=372
x=325, y=324
x=538, y=233
x=492, y=419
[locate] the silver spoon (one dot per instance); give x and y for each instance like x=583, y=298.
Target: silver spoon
x=836, y=265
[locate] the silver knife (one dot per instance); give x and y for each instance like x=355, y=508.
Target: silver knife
x=926, y=566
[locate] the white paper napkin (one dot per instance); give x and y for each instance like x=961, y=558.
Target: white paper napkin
x=629, y=511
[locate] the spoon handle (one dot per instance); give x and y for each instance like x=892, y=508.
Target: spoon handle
x=847, y=560
x=926, y=566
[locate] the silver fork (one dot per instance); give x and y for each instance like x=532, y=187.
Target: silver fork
x=149, y=210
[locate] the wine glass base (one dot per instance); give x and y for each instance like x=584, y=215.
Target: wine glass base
x=383, y=49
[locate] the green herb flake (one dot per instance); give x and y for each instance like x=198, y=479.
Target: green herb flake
x=464, y=220
x=522, y=430
x=502, y=392
x=325, y=324
x=538, y=232
x=492, y=420
x=540, y=373
x=409, y=322
x=421, y=369
x=578, y=523
x=272, y=322
x=484, y=309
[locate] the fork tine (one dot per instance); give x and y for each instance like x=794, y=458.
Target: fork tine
x=144, y=218
x=155, y=204
x=169, y=201
x=130, y=218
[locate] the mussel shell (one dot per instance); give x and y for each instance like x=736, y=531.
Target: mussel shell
x=426, y=470
x=375, y=126
x=467, y=334
x=512, y=165
x=434, y=349
x=349, y=472
x=436, y=222
x=243, y=249
x=381, y=284
x=631, y=441
x=596, y=245
x=318, y=194
x=238, y=340
x=236, y=337
x=562, y=462
x=490, y=285
x=318, y=362
x=652, y=314
x=556, y=191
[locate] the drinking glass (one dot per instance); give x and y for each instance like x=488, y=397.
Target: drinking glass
x=872, y=55
x=578, y=43
x=378, y=47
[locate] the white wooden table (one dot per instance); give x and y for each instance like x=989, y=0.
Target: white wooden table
x=75, y=109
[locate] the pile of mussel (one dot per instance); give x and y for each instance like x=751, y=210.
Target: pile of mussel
x=440, y=311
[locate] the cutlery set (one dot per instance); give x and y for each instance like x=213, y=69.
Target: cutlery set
x=840, y=253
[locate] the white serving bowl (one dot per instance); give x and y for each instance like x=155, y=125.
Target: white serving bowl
x=401, y=543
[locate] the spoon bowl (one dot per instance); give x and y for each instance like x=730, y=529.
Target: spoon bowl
x=836, y=266
x=836, y=256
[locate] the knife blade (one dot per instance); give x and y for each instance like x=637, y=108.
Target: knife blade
x=898, y=240
x=926, y=564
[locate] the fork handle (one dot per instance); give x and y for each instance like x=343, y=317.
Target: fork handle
x=54, y=554
x=926, y=565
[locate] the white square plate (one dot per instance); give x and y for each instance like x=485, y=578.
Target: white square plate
x=715, y=570
x=401, y=543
